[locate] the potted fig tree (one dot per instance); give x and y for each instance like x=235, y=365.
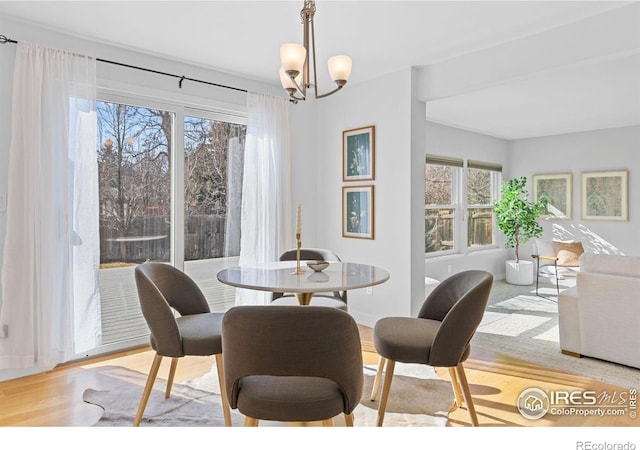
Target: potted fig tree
x=517, y=217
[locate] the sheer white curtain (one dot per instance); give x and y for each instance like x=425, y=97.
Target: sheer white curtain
x=266, y=188
x=51, y=251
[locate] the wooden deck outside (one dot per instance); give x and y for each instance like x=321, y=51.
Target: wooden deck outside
x=122, y=319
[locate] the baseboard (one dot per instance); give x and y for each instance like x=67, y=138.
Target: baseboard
x=568, y=353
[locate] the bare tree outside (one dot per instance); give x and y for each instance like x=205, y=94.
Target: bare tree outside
x=135, y=151
x=478, y=187
x=213, y=149
x=439, y=213
x=134, y=157
x=480, y=208
x=441, y=201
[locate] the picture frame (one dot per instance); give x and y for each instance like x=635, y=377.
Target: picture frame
x=358, y=212
x=358, y=154
x=605, y=195
x=557, y=189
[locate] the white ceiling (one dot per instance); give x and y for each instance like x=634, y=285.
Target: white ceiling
x=243, y=37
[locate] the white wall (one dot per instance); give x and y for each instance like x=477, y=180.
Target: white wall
x=386, y=104
x=454, y=142
x=307, y=180
x=403, y=138
x=610, y=149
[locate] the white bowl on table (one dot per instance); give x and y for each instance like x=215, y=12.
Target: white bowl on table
x=317, y=266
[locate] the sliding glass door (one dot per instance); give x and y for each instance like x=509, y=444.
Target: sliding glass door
x=134, y=175
x=213, y=160
x=170, y=182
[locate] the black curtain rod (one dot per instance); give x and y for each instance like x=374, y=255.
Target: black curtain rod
x=5, y=40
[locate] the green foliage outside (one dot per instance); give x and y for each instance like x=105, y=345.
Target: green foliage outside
x=516, y=216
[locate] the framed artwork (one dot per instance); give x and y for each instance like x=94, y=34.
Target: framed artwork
x=357, y=212
x=358, y=154
x=605, y=195
x=556, y=188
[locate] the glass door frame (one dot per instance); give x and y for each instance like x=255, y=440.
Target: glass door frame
x=179, y=109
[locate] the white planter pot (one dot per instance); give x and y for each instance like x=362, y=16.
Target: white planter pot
x=519, y=272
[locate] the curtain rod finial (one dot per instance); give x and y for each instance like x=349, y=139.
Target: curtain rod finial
x=5, y=40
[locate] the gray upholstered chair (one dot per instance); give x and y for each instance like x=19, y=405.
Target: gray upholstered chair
x=334, y=299
x=197, y=331
x=438, y=337
x=292, y=363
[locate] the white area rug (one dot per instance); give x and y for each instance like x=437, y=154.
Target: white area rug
x=418, y=397
x=187, y=407
x=520, y=324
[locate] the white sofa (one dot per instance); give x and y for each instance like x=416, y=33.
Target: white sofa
x=600, y=316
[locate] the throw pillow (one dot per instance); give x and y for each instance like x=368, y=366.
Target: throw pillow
x=568, y=253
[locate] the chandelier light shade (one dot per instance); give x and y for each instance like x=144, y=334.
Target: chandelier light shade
x=340, y=69
x=292, y=57
x=290, y=85
x=296, y=63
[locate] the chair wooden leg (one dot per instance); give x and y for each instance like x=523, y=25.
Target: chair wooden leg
x=226, y=410
x=456, y=386
x=388, y=376
x=467, y=395
x=172, y=374
x=153, y=373
x=250, y=422
x=378, y=378
x=327, y=423
x=348, y=419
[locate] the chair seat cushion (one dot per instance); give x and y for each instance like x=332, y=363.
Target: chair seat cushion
x=201, y=333
x=405, y=339
x=289, y=398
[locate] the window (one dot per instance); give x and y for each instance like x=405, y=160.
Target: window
x=134, y=178
x=455, y=194
x=442, y=176
x=213, y=157
x=169, y=185
x=482, y=188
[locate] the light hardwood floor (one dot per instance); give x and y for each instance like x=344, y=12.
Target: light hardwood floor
x=55, y=398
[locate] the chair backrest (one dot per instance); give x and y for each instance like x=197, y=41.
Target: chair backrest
x=313, y=341
x=162, y=287
x=310, y=254
x=459, y=303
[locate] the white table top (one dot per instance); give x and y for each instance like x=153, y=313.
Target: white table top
x=278, y=277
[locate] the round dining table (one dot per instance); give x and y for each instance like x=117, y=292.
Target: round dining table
x=281, y=276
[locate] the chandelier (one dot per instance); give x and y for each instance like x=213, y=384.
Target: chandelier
x=294, y=73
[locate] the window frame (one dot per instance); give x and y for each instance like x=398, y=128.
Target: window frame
x=180, y=109
x=461, y=205
x=495, y=180
x=456, y=180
